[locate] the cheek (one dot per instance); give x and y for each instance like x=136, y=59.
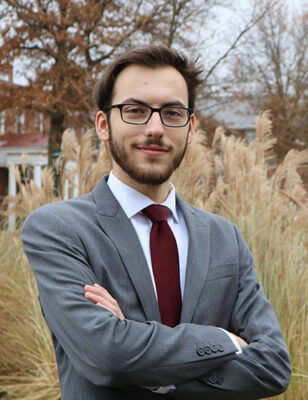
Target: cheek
x=180, y=140
x=118, y=127
x=126, y=134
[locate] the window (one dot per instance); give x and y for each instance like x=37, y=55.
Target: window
x=20, y=121
x=4, y=77
x=39, y=122
x=2, y=123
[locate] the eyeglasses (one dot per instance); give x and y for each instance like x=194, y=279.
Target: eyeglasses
x=139, y=114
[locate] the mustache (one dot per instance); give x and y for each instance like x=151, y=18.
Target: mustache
x=153, y=141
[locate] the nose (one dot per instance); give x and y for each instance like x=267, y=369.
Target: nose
x=154, y=127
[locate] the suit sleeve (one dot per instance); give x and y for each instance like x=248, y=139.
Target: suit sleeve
x=101, y=347
x=263, y=368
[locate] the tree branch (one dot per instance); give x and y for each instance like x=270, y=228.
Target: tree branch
x=238, y=38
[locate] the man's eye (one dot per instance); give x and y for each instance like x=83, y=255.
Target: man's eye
x=173, y=112
x=134, y=110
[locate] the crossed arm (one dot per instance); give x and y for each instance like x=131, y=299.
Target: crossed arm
x=100, y=296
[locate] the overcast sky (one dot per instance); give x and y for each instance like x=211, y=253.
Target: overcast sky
x=222, y=30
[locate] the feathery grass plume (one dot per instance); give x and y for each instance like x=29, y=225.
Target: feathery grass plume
x=194, y=178
x=66, y=162
x=28, y=369
x=231, y=178
x=264, y=141
x=82, y=165
x=86, y=157
x=287, y=178
x=29, y=196
x=92, y=163
x=101, y=167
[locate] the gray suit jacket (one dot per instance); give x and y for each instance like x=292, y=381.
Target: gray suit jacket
x=89, y=239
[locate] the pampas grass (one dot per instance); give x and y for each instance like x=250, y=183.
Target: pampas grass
x=231, y=178
x=28, y=368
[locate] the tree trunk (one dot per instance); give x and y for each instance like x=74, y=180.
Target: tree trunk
x=55, y=134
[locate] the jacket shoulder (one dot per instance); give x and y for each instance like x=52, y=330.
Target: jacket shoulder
x=68, y=211
x=205, y=216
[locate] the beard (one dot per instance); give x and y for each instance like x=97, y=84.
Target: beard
x=149, y=177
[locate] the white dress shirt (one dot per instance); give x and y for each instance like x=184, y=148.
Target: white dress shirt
x=133, y=202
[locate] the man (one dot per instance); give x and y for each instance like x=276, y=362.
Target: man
x=141, y=305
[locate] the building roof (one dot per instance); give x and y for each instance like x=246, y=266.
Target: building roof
x=234, y=114
x=24, y=140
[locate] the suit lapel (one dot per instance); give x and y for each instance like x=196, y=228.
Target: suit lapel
x=197, y=260
x=114, y=222
x=121, y=232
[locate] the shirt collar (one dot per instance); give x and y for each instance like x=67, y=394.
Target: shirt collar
x=133, y=201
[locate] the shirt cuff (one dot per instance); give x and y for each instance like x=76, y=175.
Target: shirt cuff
x=234, y=341
x=164, y=389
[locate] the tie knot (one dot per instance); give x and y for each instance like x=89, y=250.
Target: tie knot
x=156, y=213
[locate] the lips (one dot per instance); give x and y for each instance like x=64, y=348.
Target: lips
x=152, y=149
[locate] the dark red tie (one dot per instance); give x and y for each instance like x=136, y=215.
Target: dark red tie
x=165, y=265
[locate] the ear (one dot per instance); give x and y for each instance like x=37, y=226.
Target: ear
x=101, y=125
x=191, y=129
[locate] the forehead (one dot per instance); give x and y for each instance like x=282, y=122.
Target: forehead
x=154, y=86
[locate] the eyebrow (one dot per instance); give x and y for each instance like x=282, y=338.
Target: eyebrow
x=137, y=101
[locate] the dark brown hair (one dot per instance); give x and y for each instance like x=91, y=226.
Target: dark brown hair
x=152, y=57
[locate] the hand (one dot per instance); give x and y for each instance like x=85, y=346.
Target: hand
x=150, y=387
x=100, y=296
x=241, y=341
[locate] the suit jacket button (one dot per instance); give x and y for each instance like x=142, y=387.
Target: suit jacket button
x=200, y=351
x=214, y=348
x=212, y=379
x=220, y=347
x=207, y=349
x=220, y=380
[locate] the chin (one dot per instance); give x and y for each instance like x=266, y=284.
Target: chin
x=151, y=177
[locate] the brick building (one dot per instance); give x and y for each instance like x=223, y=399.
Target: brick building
x=21, y=132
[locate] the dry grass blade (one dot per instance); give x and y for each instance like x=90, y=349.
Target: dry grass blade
x=27, y=362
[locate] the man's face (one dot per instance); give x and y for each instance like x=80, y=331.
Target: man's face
x=147, y=154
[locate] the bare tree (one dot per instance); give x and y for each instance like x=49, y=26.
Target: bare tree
x=272, y=71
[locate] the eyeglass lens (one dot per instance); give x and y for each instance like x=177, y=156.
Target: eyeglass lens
x=140, y=114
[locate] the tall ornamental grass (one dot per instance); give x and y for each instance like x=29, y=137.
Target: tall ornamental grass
x=231, y=178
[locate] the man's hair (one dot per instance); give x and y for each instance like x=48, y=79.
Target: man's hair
x=152, y=57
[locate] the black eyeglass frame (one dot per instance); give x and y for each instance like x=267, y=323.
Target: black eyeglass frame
x=153, y=109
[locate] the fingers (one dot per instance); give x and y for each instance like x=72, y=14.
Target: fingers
x=98, y=291
x=100, y=296
x=97, y=294
x=240, y=341
x=150, y=387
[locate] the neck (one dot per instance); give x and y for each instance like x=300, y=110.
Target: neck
x=157, y=193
